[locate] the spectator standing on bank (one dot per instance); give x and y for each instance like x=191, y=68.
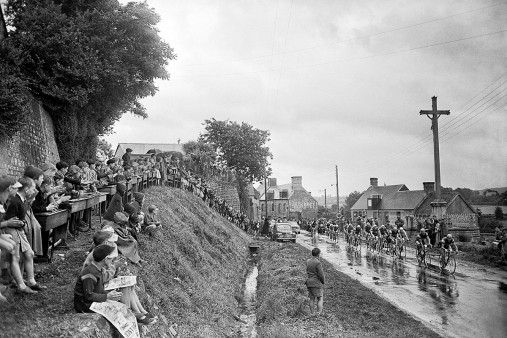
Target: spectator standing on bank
x=126, y=158
x=315, y=281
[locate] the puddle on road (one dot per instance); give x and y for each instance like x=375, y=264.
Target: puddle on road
x=248, y=327
x=469, y=303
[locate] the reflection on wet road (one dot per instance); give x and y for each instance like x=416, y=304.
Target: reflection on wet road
x=472, y=303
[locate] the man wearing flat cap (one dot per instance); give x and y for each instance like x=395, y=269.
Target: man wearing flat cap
x=126, y=158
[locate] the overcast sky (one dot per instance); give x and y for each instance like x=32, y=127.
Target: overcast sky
x=340, y=83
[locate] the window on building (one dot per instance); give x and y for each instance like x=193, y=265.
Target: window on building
x=279, y=208
x=271, y=195
x=284, y=208
x=284, y=194
x=273, y=207
x=262, y=206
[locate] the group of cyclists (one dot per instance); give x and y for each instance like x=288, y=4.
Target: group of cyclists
x=388, y=238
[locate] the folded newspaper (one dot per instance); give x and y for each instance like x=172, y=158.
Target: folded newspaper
x=120, y=282
x=120, y=316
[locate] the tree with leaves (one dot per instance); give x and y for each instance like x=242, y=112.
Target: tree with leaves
x=105, y=148
x=352, y=198
x=88, y=62
x=243, y=148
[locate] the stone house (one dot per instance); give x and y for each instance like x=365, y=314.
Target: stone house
x=386, y=203
x=290, y=200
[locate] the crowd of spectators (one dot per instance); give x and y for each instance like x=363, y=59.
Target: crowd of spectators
x=53, y=187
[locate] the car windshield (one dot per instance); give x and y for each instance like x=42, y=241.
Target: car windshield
x=283, y=227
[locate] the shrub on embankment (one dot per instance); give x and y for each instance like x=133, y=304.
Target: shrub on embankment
x=193, y=278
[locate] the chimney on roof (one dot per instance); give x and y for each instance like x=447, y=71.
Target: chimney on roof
x=297, y=180
x=271, y=182
x=374, y=182
x=429, y=187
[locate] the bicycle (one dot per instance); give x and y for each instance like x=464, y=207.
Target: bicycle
x=449, y=261
x=357, y=243
x=401, y=249
x=421, y=255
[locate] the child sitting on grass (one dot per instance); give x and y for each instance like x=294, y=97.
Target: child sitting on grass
x=151, y=220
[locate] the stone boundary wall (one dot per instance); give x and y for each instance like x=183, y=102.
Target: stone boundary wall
x=33, y=145
x=225, y=190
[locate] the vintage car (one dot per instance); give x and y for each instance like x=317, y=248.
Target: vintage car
x=282, y=232
x=295, y=227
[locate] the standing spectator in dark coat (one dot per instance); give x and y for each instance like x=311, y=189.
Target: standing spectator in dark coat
x=126, y=158
x=315, y=281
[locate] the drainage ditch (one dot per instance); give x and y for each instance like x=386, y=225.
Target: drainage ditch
x=248, y=317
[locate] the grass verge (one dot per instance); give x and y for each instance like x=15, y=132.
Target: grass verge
x=350, y=309
x=193, y=278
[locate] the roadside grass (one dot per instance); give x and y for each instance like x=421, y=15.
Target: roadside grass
x=193, y=277
x=350, y=309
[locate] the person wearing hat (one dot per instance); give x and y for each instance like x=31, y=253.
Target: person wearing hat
x=151, y=221
x=422, y=239
x=90, y=283
x=116, y=204
x=126, y=157
x=117, y=267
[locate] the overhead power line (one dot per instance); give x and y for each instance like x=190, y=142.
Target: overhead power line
x=353, y=59
x=346, y=40
x=452, y=128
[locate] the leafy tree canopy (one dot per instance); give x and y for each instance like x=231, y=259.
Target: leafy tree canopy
x=200, y=152
x=88, y=61
x=240, y=146
x=352, y=198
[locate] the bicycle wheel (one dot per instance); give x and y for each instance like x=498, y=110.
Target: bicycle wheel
x=451, y=264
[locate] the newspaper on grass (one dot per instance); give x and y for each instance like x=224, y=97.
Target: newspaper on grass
x=120, y=282
x=120, y=316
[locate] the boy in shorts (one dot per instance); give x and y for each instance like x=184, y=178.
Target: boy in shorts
x=315, y=281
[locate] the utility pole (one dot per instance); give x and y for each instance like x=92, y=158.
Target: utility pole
x=438, y=205
x=337, y=193
x=266, y=196
x=325, y=200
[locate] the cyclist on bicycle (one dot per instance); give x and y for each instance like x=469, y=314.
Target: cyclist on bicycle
x=367, y=229
x=422, y=239
x=446, y=244
x=358, y=231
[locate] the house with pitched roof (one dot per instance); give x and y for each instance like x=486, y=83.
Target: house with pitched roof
x=289, y=200
x=386, y=203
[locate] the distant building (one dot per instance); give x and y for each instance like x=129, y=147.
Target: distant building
x=290, y=200
x=141, y=149
x=493, y=191
x=386, y=203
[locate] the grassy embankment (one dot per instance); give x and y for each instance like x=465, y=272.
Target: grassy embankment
x=350, y=309
x=193, y=278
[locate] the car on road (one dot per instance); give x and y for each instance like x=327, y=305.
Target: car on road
x=282, y=232
x=295, y=227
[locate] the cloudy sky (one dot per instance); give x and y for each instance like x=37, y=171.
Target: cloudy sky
x=340, y=83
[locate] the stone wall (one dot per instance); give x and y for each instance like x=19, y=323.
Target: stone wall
x=34, y=144
x=226, y=190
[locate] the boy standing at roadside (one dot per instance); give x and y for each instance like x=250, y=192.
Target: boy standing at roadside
x=315, y=281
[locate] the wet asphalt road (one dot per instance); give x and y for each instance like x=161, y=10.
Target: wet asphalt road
x=472, y=303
